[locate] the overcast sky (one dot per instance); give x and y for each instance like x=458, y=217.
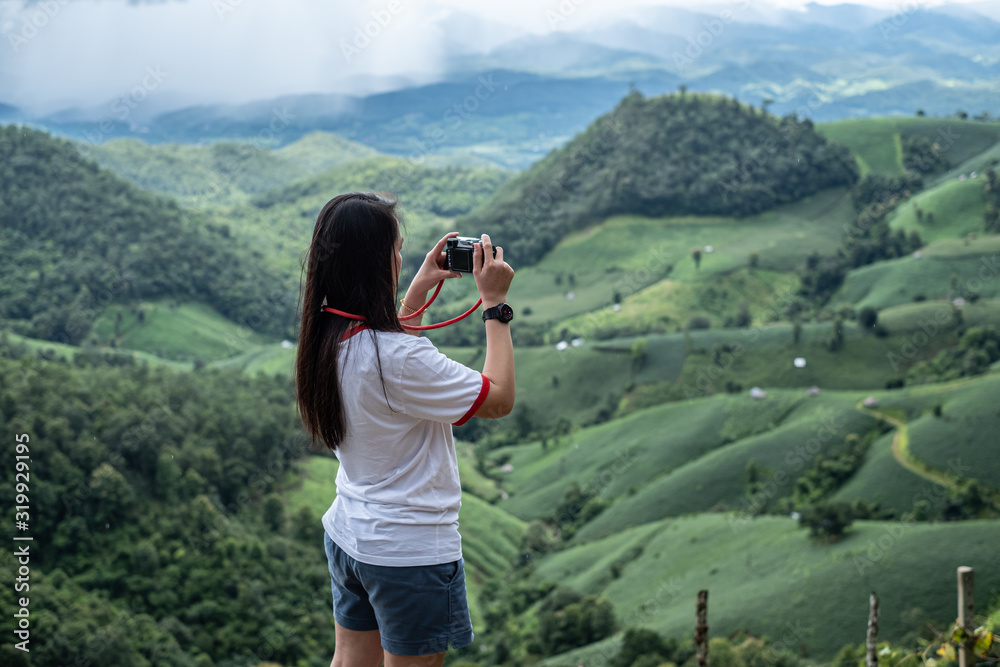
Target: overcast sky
x=58, y=54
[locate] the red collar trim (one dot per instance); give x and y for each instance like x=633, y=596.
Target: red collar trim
x=353, y=330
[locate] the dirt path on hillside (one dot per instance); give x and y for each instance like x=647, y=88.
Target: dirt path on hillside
x=901, y=450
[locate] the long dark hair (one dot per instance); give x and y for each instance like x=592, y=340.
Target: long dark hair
x=350, y=265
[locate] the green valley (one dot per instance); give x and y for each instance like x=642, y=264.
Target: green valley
x=755, y=356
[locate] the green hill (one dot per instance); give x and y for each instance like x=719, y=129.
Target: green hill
x=877, y=143
x=222, y=172
x=278, y=223
x=669, y=155
x=650, y=412
x=692, y=456
x=946, y=269
x=75, y=238
x=950, y=210
x=767, y=578
x=187, y=332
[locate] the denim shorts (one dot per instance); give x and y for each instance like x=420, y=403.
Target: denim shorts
x=418, y=610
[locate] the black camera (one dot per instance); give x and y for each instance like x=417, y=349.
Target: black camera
x=459, y=251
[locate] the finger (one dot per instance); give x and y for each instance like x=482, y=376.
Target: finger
x=487, y=249
x=439, y=246
x=477, y=259
x=499, y=254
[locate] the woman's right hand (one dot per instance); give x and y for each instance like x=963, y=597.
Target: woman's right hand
x=492, y=274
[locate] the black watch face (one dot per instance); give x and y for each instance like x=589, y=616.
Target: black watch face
x=506, y=312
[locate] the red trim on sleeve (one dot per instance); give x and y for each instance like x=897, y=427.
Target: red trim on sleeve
x=477, y=403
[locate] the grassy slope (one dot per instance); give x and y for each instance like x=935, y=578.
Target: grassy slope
x=183, y=332
x=877, y=146
x=223, y=172
x=717, y=479
x=767, y=577
x=428, y=200
x=957, y=205
x=962, y=441
x=705, y=472
x=898, y=281
x=642, y=458
x=53, y=350
x=627, y=253
x=966, y=434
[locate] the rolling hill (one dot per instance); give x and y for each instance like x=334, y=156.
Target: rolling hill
x=223, y=172
x=76, y=237
x=668, y=155
x=642, y=406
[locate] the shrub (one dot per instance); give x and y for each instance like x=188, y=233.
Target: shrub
x=699, y=322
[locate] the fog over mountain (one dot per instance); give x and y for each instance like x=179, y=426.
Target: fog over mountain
x=171, y=70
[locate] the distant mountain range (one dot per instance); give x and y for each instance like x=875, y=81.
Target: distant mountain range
x=508, y=106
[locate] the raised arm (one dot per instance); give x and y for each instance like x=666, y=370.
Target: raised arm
x=493, y=277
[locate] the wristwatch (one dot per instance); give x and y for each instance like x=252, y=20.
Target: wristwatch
x=501, y=311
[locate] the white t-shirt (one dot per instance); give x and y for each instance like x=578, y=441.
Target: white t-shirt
x=398, y=491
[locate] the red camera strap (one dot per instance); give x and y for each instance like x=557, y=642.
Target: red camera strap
x=415, y=313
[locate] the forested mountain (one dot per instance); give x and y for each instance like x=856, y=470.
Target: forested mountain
x=75, y=237
x=674, y=154
x=157, y=540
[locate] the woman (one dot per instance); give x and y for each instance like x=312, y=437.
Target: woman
x=385, y=402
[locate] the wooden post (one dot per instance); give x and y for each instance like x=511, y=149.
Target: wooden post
x=701, y=628
x=966, y=613
x=872, y=641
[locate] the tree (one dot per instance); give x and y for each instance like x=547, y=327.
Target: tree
x=640, y=642
x=639, y=352
x=274, y=512
x=567, y=620
x=868, y=317
x=991, y=219
x=743, y=317
x=111, y=492
x=168, y=476
x=827, y=520
x=836, y=341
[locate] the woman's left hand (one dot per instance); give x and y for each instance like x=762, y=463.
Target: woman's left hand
x=432, y=271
